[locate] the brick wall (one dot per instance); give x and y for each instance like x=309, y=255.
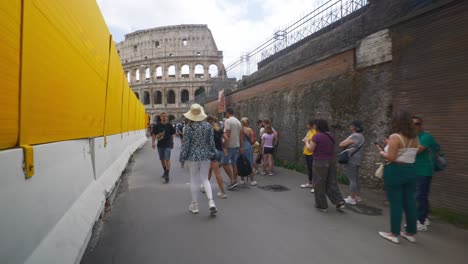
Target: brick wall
x=427, y=73
x=431, y=80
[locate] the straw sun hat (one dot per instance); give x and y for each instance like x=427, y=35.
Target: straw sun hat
x=196, y=113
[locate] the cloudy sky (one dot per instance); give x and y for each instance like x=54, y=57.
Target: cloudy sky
x=237, y=25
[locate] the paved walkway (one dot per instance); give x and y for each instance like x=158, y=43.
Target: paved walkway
x=150, y=223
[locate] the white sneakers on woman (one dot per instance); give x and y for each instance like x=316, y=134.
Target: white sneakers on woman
x=212, y=207
x=394, y=239
x=194, y=208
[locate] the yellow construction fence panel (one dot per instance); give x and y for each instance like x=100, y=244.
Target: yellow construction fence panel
x=113, y=120
x=10, y=37
x=131, y=112
x=64, y=71
x=125, y=102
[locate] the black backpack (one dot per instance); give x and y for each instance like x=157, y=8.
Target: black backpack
x=243, y=166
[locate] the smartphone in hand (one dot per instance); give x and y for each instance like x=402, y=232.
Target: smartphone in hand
x=378, y=146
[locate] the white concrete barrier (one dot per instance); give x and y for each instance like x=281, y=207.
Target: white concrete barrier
x=49, y=217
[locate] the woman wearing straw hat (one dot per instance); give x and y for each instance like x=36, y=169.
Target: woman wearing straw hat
x=198, y=149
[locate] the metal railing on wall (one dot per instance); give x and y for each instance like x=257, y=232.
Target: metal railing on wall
x=324, y=15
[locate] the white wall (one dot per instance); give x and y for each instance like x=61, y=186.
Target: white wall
x=48, y=218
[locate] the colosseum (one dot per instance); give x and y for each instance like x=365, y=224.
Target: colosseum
x=168, y=67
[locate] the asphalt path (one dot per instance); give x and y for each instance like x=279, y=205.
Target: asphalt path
x=150, y=223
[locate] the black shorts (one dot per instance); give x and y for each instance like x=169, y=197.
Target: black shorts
x=267, y=150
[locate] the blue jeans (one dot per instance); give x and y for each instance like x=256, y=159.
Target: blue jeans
x=423, y=187
x=164, y=153
x=231, y=157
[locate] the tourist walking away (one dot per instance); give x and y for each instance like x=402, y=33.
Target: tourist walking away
x=353, y=146
x=249, y=141
x=309, y=156
x=233, y=146
x=215, y=161
x=164, y=133
x=400, y=176
x=424, y=167
x=269, y=141
x=324, y=167
x=198, y=149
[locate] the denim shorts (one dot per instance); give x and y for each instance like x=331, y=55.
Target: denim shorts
x=164, y=153
x=231, y=157
x=218, y=156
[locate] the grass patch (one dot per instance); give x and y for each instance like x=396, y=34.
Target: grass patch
x=290, y=165
x=457, y=219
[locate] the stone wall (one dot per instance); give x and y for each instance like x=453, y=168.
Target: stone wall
x=395, y=55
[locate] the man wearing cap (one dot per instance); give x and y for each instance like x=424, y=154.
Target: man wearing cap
x=164, y=132
x=233, y=145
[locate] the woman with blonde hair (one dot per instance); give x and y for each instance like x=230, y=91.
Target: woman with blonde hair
x=249, y=140
x=197, y=150
x=214, y=166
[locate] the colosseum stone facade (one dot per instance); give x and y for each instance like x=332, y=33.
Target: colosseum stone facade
x=167, y=67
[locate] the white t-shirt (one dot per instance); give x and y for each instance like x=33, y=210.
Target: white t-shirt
x=234, y=126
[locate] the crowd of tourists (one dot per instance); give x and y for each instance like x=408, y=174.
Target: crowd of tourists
x=209, y=144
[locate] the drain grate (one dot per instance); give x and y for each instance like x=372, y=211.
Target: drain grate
x=364, y=209
x=274, y=188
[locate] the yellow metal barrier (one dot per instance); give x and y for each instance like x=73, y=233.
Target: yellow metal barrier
x=62, y=76
x=113, y=119
x=10, y=37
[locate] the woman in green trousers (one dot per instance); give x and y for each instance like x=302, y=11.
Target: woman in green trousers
x=400, y=177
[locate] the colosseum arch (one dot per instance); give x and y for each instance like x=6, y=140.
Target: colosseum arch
x=137, y=75
x=171, y=97
x=184, y=96
x=159, y=72
x=199, y=71
x=146, y=98
x=147, y=73
x=137, y=95
x=171, y=71
x=213, y=70
x=129, y=78
x=185, y=71
x=157, y=99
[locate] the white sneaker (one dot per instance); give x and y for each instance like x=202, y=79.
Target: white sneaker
x=270, y=174
x=242, y=182
x=421, y=227
x=212, y=207
x=350, y=200
x=253, y=183
x=359, y=199
x=389, y=237
x=193, y=208
x=256, y=172
x=306, y=185
x=312, y=190
x=264, y=173
x=408, y=237
x=202, y=188
x=426, y=222
x=222, y=195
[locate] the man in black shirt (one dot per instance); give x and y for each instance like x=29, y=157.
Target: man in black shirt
x=164, y=133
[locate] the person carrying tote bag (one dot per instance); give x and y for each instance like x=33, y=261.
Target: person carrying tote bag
x=354, y=154
x=400, y=177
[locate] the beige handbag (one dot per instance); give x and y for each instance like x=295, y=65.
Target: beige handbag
x=380, y=171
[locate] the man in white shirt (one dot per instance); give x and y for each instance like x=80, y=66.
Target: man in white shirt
x=232, y=146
